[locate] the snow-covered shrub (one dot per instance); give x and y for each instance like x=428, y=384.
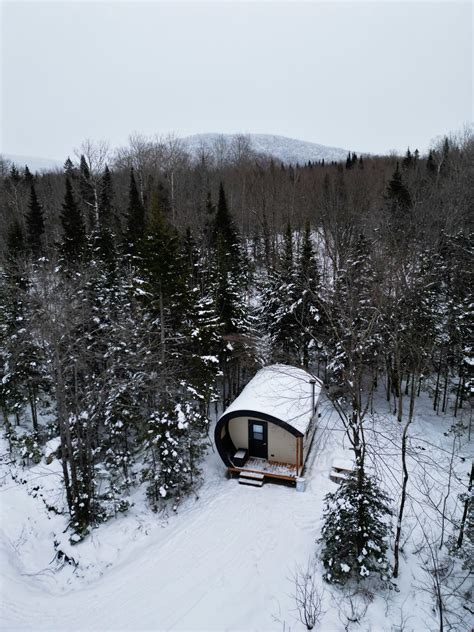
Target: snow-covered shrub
x=354, y=535
x=174, y=446
x=109, y=504
x=353, y=605
x=29, y=448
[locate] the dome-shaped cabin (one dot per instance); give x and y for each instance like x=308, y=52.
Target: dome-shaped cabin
x=269, y=427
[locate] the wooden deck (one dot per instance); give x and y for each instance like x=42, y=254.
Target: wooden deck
x=270, y=469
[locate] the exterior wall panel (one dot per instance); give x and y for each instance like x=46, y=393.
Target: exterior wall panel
x=239, y=432
x=281, y=443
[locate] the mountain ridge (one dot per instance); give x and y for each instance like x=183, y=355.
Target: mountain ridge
x=35, y=163
x=286, y=149
x=283, y=148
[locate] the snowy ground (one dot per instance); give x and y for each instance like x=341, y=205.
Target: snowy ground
x=224, y=562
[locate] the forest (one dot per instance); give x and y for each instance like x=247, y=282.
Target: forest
x=142, y=288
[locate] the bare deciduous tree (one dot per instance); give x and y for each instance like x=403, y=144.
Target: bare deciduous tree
x=308, y=596
x=96, y=153
x=353, y=607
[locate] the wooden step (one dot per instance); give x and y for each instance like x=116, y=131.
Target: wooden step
x=251, y=481
x=256, y=475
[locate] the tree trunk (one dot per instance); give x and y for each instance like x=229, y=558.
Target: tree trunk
x=458, y=392
x=389, y=378
x=34, y=412
x=401, y=509
x=162, y=326
x=8, y=427
x=466, y=508
x=448, y=491
x=67, y=451
x=445, y=390
x=407, y=385
x=436, y=394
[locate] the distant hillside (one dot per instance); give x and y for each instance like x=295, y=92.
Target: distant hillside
x=34, y=162
x=288, y=150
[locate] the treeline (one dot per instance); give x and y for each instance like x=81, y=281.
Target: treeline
x=137, y=294
x=263, y=194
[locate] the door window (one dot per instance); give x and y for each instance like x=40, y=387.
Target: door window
x=257, y=431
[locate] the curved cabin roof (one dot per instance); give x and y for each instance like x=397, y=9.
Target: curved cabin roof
x=279, y=393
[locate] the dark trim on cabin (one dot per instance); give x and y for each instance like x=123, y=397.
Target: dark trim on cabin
x=225, y=446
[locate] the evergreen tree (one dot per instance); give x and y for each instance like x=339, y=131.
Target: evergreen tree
x=397, y=192
x=35, y=223
x=351, y=160
x=229, y=266
x=280, y=305
x=12, y=399
x=191, y=256
x=164, y=267
x=28, y=176
x=355, y=532
x=135, y=215
x=228, y=280
x=308, y=313
x=201, y=332
x=202, y=337
x=15, y=241
x=431, y=164
x=352, y=337
x=399, y=205
x=108, y=225
x=171, y=449
x=24, y=377
x=407, y=161
x=445, y=158
x=68, y=168
x=118, y=339
x=106, y=209
x=74, y=230
x=224, y=237
x=15, y=176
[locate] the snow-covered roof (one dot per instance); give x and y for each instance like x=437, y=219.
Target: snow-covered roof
x=282, y=391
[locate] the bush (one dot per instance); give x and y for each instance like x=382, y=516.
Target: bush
x=354, y=535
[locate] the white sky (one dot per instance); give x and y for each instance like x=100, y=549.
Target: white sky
x=365, y=76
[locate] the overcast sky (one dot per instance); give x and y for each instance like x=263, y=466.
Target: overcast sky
x=363, y=76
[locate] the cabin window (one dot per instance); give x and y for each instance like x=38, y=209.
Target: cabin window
x=257, y=431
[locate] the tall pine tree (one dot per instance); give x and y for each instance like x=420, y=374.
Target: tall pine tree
x=135, y=216
x=74, y=230
x=35, y=223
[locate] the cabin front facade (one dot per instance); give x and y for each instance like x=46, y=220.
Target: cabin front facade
x=269, y=427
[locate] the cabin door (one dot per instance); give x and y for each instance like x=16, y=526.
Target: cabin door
x=258, y=443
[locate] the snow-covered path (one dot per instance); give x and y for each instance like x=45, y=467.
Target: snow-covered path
x=225, y=560
x=189, y=576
